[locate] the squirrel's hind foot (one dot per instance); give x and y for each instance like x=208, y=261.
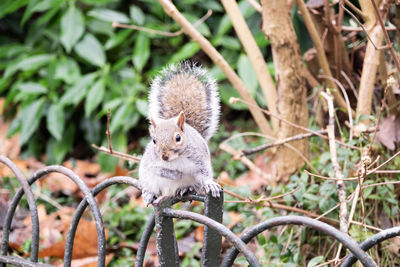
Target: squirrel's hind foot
x=148, y=198
x=213, y=188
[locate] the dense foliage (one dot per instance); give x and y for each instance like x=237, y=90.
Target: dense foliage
x=64, y=65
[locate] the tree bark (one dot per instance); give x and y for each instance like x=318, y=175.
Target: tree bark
x=291, y=85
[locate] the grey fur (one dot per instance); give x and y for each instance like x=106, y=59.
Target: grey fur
x=158, y=109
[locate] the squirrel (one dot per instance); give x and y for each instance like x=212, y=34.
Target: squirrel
x=184, y=113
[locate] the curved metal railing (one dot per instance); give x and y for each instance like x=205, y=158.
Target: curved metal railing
x=167, y=247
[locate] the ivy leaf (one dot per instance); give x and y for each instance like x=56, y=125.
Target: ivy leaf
x=72, y=27
x=56, y=120
x=90, y=49
x=141, y=52
x=30, y=117
x=94, y=97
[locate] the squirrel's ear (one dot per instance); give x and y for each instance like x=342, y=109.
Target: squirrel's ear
x=152, y=122
x=181, y=120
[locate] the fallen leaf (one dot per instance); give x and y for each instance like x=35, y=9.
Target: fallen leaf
x=89, y=261
x=389, y=131
x=253, y=179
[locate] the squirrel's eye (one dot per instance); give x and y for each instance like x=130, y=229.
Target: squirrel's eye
x=154, y=140
x=178, y=137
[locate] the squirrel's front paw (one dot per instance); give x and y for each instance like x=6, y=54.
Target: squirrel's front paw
x=213, y=187
x=148, y=197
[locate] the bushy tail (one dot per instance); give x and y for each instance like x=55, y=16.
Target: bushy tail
x=189, y=88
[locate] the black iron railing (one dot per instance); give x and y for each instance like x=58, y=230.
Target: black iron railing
x=167, y=247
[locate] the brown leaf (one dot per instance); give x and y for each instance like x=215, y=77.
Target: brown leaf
x=85, y=243
x=89, y=261
x=252, y=178
x=389, y=132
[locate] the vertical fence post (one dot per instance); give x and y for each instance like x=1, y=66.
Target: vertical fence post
x=167, y=246
x=211, y=251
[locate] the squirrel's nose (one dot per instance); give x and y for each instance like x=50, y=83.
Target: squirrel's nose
x=164, y=156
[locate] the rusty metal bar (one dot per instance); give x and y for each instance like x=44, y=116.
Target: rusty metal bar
x=10, y=213
x=346, y=240
x=220, y=228
x=372, y=241
x=211, y=251
x=88, y=196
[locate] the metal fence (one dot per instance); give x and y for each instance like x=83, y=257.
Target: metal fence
x=162, y=220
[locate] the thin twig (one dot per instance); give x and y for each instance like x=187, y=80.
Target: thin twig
x=250, y=151
x=256, y=5
x=386, y=35
x=167, y=34
x=355, y=9
x=321, y=56
x=237, y=155
x=283, y=207
x=234, y=100
x=341, y=186
x=108, y=132
x=117, y=154
x=346, y=98
x=362, y=26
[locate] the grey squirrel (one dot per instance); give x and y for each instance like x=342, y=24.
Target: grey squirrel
x=184, y=113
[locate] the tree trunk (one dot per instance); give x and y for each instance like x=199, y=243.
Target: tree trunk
x=291, y=85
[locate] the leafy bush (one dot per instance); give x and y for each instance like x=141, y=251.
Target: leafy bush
x=63, y=65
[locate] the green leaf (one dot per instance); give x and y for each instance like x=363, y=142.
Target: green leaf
x=39, y=6
x=28, y=64
x=11, y=50
x=94, y=97
x=187, y=51
x=56, y=150
x=56, y=120
x=67, y=70
x=90, y=49
x=247, y=74
x=117, y=119
x=119, y=142
x=32, y=88
x=314, y=261
x=77, y=92
x=141, y=52
x=30, y=117
x=117, y=39
x=136, y=15
x=108, y=15
x=72, y=27
x=202, y=28
x=7, y=7
x=143, y=107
